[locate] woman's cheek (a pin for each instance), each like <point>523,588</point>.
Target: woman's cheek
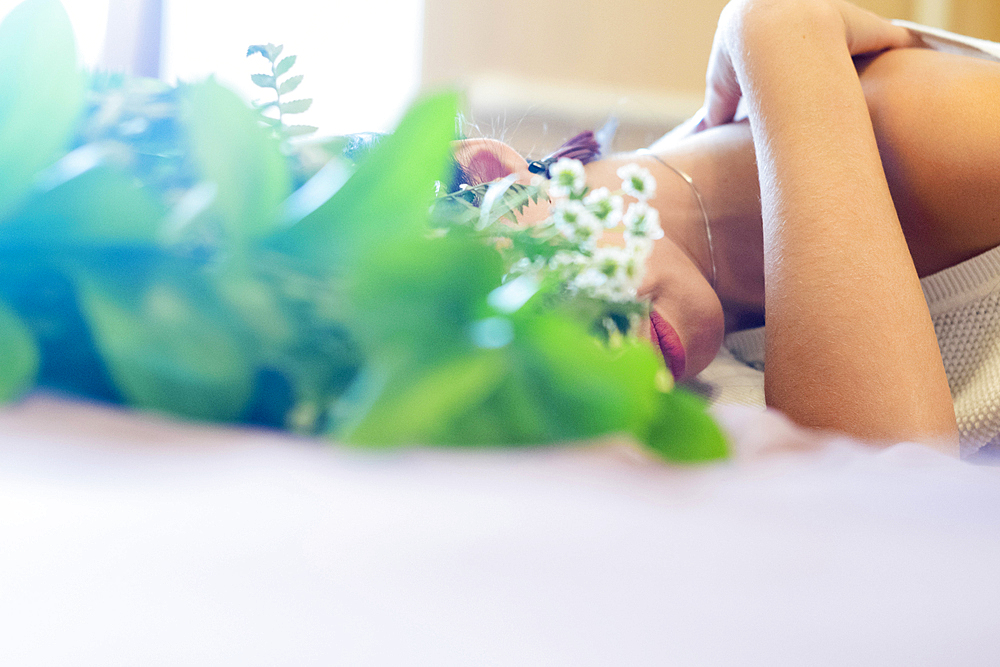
<point>707,336</point>
<point>534,213</point>
<point>686,300</point>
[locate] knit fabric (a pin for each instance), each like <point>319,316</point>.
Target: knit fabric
<point>964,303</point>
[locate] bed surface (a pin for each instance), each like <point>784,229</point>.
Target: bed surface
<point>133,540</point>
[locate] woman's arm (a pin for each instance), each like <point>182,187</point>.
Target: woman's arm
<point>850,343</point>
<point>937,125</point>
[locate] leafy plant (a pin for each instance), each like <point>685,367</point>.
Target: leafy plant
<point>274,81</point>
<point>464,206</point>
<point>161,250</point>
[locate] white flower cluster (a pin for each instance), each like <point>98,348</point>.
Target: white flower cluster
<point>581,216</point>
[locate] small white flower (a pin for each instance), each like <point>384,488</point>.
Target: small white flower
<point>589,280</point>
<point>639,248</point>
<point>522,265</point>
<point>605,206</point>
<point>610,260</point>
<point>527,266</point>
<point>642,221</point>
<point>616,292</point>
<point>564,259</point>
<point>576,223</point>
<point>617,263</point>
<point>637,181</point>
<point>611,274</point>
<point>567,178</point>
<point>567,212</point>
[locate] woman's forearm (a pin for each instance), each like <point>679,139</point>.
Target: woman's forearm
<point>850,343</point>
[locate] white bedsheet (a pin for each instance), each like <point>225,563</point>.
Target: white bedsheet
<point>130,540</point>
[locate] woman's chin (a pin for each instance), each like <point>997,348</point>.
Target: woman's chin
<point>703,341</point>
<point>701,353</point>
<point>685,355</point>
<point>699,362</point>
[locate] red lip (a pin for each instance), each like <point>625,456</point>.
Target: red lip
<point>670,344</point>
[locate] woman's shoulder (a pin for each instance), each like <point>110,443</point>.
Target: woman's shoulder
<point>938,126</point>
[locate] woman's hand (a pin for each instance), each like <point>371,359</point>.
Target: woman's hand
<point>862,32</point>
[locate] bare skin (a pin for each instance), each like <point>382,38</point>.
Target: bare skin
<point>865,183</point>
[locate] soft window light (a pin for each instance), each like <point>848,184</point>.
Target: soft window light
<point>361,61</point>
<point>89,19</point>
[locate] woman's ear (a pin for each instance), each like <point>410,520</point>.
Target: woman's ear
<point>486,160</point>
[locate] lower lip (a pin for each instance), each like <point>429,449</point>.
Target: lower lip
<point>670,344</point>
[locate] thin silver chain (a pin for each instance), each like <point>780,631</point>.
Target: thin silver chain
<point>701,204</point>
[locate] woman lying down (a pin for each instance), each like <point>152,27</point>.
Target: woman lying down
<point>856,210</point>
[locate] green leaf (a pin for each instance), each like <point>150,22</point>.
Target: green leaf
<point>18,356</point>
<point>258,48</point>
<point>263,80</point>
<point>299,130</point>
<point>683,431</point>
<point>42,94</point>
<point>421,409</point>
<point>585,388</point>
<point>166,350</point>
<point>101,207</point>
<point>285,65</point>
<point>257,304</point>
<point>437,287</point>
<point>514,414</point>
<point>296,106</point>
<point>290,84</point>
<point>241,157</point>
<point>386,198</point>
<point>273,51</point>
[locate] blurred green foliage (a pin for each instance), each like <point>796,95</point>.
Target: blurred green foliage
<point>159,249</point>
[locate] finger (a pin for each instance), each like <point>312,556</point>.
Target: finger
<point>721,99</point>
<point>700,117</point>
<point>910,40</point>
<point>722,90</point>
<point>867,32</point>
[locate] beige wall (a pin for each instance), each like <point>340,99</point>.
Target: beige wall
<point>628,43</point>
<point>535,65</point>
<point>979,18</point>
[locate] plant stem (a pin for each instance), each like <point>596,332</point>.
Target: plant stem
<point>277,93</point>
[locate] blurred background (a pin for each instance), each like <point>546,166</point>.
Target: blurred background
<point>538,71</point>
<point>534,71</point>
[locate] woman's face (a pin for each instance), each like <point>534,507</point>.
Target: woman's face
<point>687,320</point>
<point>485,160</point>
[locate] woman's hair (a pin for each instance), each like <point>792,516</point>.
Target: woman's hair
<point>482,169</point>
